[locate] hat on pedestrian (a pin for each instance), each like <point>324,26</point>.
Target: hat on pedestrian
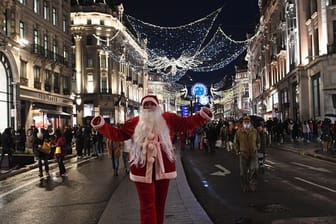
<point>246,118</point>
<point>150,98</point>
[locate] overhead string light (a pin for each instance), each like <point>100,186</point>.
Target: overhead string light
<point>172,51</point>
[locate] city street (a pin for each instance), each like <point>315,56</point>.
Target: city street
<point>80,197</point>
<point>293,186</point>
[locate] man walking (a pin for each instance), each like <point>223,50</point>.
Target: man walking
<point>246,144</point>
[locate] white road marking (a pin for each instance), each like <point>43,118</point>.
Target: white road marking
<point>267,165</point>
<point>269,161</point>
<point>311,167</point>
<point>316,185</point>
<point>223,171</point>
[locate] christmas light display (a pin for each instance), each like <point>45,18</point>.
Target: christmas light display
<point>172,51</point>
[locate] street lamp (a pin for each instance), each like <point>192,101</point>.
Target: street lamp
<point>78,101</point>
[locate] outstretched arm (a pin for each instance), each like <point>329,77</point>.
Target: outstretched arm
<point>114,133</point>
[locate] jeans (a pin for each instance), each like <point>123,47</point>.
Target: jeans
<point>248,170</point>
<point>61,164</point>
<point>43,157</point>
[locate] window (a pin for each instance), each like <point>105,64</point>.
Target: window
<point>104,86</point>
<point>316,43</point>
<point>102,61</point>
<point>66,85</point>
<point>54,16</point>
<point>64,24</point>
<point>90,83</point>
<point>23,69</point>
<point>56,83</point>
<point>37,77</point>
<point>45,10</point>
<point>310,46</point>
<point>102,22</point>
<point>46,45</point>
<point>316,95</point>
<point>89,22</point>
<point>332,2</point>
<point>47,77</point>
<point>22,30</point>
<point>36,41</point>
<point>47,81</point>
<point>55,50</point>
<point>65,54</point>
<point>89,62</point>
<point>36,6</point>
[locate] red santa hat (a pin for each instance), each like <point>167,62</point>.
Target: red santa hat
<point>150,98</point>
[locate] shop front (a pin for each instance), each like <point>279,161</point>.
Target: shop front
<point>45,110</point>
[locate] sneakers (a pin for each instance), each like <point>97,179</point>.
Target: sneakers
<point>40,174</point>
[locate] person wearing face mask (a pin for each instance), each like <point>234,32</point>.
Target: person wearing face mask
<point>246,144</point>
<point>152,154</point>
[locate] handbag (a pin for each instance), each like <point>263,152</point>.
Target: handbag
<point>58,150</point>
<point>46,147</point>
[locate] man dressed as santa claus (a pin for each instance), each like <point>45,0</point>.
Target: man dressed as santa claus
<point>152,156</point>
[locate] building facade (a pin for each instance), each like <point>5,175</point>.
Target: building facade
<point>35,64</point>
<point>110,75</point>
<point>292,60</point>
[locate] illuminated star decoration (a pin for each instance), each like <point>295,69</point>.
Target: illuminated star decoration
<point>172,51</point>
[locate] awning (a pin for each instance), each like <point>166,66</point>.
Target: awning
<point>55,113</point>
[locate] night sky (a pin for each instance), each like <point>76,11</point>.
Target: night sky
<point>237,19</point>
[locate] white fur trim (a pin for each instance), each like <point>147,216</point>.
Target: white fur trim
<point>149,99</point>
<point>100,124</point>
<point>204,114</point>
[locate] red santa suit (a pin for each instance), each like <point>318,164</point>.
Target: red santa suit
<point>158,167</point>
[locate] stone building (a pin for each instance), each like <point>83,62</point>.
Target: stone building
<point>110,76</point>
<point>35,64</point>
<point>292,59</point>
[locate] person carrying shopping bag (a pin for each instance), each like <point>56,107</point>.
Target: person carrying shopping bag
<point>60,151</point>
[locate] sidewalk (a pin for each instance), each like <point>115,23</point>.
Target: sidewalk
<point>181,207</point>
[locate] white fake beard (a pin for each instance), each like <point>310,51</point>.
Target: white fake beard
<point>151,121</point>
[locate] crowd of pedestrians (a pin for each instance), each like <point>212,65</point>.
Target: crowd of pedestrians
<point>232,136</point>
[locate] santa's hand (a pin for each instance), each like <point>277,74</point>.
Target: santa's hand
<point>97,122</point>
<point>206,113</point>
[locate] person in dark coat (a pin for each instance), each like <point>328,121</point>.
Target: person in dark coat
<point>7,143</point>
<point>42,156</point>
